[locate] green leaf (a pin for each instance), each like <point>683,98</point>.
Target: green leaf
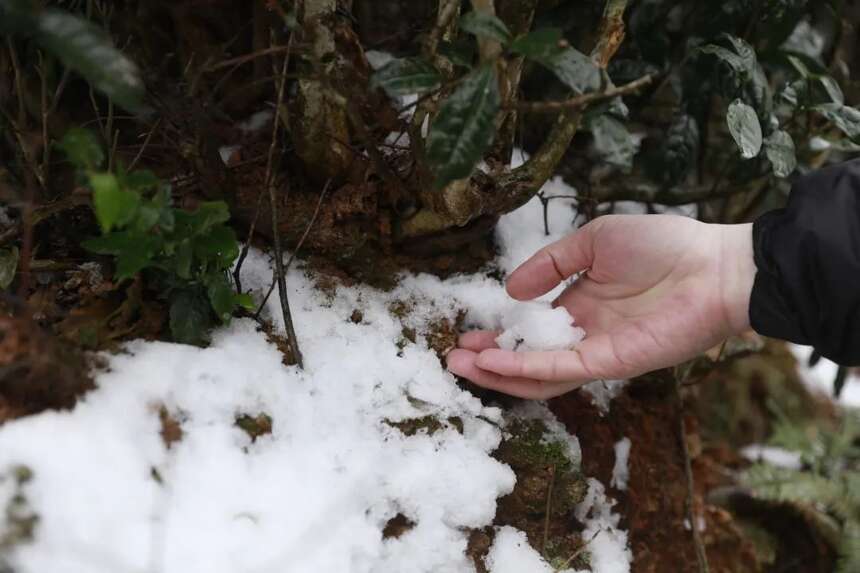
<point>114,207</point>
<point>406,76</point>
<point>245,301</point>
<point>735,61</point>
<point>461,52</point>
<point>745,128</point>
<point>218,245</point>
<point>140,181</point>
<point>485,25</point>
<point>190,317</point>
<point>82,148</point>
<point>87,49</point>
<point>832,88</point>
<point>8,266</point>
<point>465,127</point>
<point>576,70</point>
<point>221,296</point>
<point>612,141</point>
<point>846,118</point>
<point>133,251</point>
<point>207,215</point>
<point>182,258</point>
<point>538,44</point>
<point>779,147</point>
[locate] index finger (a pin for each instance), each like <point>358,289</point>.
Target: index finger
<point>554,263</point>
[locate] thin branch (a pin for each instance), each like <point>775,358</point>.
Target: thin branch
<point>584,100</point>
<point>701,554</point>
<point>292,339</point>
<point>298,247</point>
<point>149,135</point>
<point>548,510</point>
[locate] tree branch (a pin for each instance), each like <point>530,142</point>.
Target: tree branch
<point>583,100</point>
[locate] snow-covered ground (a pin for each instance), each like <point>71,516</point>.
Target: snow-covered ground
<point>315,494</point>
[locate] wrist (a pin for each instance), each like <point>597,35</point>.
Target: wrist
<point>737,272</point>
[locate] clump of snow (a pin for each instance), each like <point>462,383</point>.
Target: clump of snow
<point>603,392</point>
<point>538,326</point>
<point>607,544</point>
<point>772,455</point>
<point>511,553</point>
<point>621,471</point>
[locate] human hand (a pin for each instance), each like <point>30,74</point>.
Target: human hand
<point>656,290</point>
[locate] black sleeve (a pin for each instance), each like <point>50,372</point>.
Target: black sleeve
<point>807,288</point>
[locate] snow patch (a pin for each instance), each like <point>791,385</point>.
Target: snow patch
<point>607,544</point>
<point>621,471</point>
<point>774,456</point>
<point>538,326</point>
<point>603,392</point>
<point>511,553</point>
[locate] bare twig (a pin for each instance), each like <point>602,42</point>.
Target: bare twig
<point>548,510</point>
<point>237,271</point>
<point>584,100</point>
<point>292,339</point>
<point>149,135</point>
<point>298,247</point>
<point>701,554</point>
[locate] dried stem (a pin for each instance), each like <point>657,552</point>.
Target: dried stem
<point>292,339</point>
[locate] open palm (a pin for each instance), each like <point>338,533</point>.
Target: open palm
<point>655,290</point>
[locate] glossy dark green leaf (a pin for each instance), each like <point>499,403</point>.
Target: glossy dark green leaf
<point>87,49</point>
<point>140,181</point>
<point>8,266</point>
<point>679,152</point>
<point>221,296</point>
<point>538,44</point>
<point>218,245</point>
<point>182,258</point>
<point>574,69</point>
<point>133,251</point>
<point>846,118</point>
<point>82,148</point>
<point>114,207</point>
<point>612,141</point>
<point>465,127</point>
<point>207,215</point>
<point>779,147</point>
<point>190,317</point>
<point>486,26</point>
<point>745,128</point>
<point>404,76</point>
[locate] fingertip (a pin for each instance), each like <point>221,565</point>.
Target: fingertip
<point>478,340</point>
<point>460,361</point>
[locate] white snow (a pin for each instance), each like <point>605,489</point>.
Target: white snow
<point>511,553</point>
<point>607,544</point>
<point>538,326</point>
<point>316,493</point>
<point>772,455</point>
<point>603,392</point>
<point>621,471</point>
<point>820,378</point>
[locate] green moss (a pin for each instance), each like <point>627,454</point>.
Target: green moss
<point>527,446</point>
<point>426,424</point>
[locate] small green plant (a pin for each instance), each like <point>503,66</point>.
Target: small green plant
<point>185,255</point>
<point>827,486</point>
